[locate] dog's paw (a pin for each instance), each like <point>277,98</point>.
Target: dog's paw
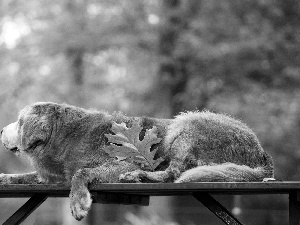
<point>132,177</point>
<point>80,203</point>
<point>271,179</point>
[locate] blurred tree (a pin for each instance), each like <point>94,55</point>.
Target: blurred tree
<point>169,75</point>
<point>75,52</point>
<point>173,73</point>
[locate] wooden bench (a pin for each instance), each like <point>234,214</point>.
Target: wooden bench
<point>140,193</point>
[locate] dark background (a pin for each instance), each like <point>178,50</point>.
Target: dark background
<point>157,58</point>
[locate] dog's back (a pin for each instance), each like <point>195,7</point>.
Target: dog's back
<point>219,147</point>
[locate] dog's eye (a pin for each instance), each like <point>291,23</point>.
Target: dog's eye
<point>35,144</point>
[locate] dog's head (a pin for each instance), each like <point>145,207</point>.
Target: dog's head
<point>32,129</point>
<point>36,125</point>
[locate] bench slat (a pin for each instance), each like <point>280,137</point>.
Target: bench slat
<point>122,193</point>
<point>155,189</point>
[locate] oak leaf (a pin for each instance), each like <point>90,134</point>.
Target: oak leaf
<point>126,144</point>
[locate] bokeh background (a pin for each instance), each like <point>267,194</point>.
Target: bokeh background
<point>157,58</point>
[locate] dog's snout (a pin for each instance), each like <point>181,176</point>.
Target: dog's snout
<point>1,132</point>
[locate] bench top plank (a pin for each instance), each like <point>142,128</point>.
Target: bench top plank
<point>155,189</point>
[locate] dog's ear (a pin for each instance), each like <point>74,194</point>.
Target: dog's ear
<point>36,128</point>
<point>31,130</point>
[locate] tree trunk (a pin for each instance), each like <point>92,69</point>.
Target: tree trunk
<point>76,67</point>
<point>173,69</point>
<point>167,69</point>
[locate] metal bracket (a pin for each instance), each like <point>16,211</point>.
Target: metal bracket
<point>119,198</point>
<point>294,208</point>
<point>22,213</point>
<point>214,206</point>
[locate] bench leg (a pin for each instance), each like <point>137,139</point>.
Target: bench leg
<point>294,208</point>
<point>213,205</point>
<point>22,213</point>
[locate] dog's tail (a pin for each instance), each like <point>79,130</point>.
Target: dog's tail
<point>227,172</point>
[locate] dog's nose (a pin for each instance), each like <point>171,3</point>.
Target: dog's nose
<point>1,132</point>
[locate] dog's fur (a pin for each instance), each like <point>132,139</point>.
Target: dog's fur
<point>65,144</point>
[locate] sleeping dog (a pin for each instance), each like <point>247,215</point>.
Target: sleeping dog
<point>66,144</point>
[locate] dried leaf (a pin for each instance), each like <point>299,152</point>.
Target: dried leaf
<point>126,144</point>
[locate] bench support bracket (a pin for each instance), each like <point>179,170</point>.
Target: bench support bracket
<point>214,206</point>
<point>119,198</point>
<point>22,213</point>
<point>294,208</point>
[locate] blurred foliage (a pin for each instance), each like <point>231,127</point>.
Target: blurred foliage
<point>238,57</point>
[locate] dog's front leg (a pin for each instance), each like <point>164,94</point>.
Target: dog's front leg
<point>26,178</point>
<point>80,197</point>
